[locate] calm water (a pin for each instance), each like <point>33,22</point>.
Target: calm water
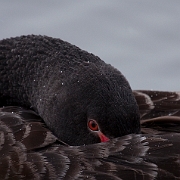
<point>140,38</point>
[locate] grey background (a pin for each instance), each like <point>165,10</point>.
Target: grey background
<point>139,37</point>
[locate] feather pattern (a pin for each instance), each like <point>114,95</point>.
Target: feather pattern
<point>28,149</point>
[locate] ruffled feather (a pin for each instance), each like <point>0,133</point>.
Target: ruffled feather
<point>28,150</point>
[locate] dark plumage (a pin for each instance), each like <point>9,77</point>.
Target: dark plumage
<point>29,150</point>
<point>67,87</point>
<point>32,70</point>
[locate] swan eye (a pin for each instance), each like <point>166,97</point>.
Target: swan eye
<point>93,125</point>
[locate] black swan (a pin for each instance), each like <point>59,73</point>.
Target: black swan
<point>59,102</point>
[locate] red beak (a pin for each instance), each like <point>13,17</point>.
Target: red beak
<point>102,137</point>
